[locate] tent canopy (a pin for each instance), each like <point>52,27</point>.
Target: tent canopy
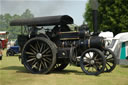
<point>122,37</point>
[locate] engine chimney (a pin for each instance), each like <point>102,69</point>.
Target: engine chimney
<point>94,6</point>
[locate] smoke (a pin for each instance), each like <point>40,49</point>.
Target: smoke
<point>37,7</point>
<point>74,8</point>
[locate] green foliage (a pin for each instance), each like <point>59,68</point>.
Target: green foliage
<point>13,30</point>
<point>27,14</point>
<point>113,15</point>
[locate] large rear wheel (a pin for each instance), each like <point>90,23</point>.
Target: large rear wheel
<point>92,61</point>
<point>39,55</point>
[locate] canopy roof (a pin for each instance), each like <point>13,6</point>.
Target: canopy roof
<point>122,37</point>
<point>43,21</point>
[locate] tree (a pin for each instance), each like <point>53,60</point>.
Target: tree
<point>27,14</point>
<point>7,19</point>
<point>113,15</point>
<point>2,24</point>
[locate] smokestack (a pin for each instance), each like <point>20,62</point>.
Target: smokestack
<point>94,6</point>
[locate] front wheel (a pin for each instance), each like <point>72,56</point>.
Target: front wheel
<point>92,61</point>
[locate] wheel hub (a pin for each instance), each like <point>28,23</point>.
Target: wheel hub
<point>38,55</point>
<point>92,62</point>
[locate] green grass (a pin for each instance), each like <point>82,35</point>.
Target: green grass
<point>12,72</point>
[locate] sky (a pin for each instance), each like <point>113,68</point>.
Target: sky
<point>73,8</point>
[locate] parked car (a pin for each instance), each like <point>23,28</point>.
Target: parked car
<point>12,50</point>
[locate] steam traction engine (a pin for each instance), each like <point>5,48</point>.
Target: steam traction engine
<point>56,47</point>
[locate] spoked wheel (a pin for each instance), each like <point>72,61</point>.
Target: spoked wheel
<point>92,61</point>
<point>110,60</point>
<point>39,55</point>
<point>60,67</point>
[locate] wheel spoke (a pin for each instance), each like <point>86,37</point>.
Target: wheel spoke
<point>110,58</point>
<point>98,67</point>
<point>48,52</point>
<point>106,68</point>
<point>95,56</point>
<point>31,56</point>
<point>45,64</point>
<point>109,65</point>
<point>40,67</point>
<point>42,64</point>
<point>110,61</point>
<point>95,67</point>
<point>34,66</point>
<point>31,59</point>
<point>33,51</point>
<point>41,47</point>
<point>33,48</point>
<point>44,46</point>
<point>49,59</point>
<point>30,53</point>
<point>47,55</point>
<point>38,45</point>
<point>45,50</point>
<point>88,68</point>
<point>46,60</point>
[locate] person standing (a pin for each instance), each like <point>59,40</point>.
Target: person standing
<point>1,54</point>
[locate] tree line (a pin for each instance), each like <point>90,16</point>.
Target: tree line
<point>13,30</point>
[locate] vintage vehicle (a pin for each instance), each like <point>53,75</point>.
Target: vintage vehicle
<point>12,50</point>
<point>4,38</point>
<point>47,43</point>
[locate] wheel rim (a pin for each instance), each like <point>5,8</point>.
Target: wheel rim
<point>110,60</point>
<point>38,56</point>
<point>92,62</point>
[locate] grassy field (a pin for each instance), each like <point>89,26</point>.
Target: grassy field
<point>12,72</point>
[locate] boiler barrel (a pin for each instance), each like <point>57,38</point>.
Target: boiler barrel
<point>92,42</point>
